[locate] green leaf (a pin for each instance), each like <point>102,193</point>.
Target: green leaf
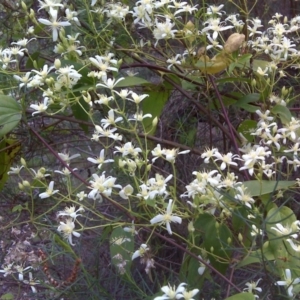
<point>121,249</point>
<point>131,81</point>
<point>8,296</point>
<point>80,110</point>
<point>242,296</point>
<point>246,127</point>
<point>215,236</point>
<point>244,101</point>
<point>241,62</point>
<point>283,113</point>
<point>155,103</point>
<point>258,256</point>
<point>34,60</point>
<point>59,241</point>
<point>18,208</point>
<point>10,114</point>
<point>9,148</point>
<point>189,271</point>
<point>258,188</point>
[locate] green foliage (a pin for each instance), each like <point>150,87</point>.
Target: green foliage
<point>10,114</point>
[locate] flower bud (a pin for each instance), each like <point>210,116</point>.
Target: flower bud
<point>284,91</point>
<point>57,63</point>
<point>122,163</point>
<point>253,82</point>
<point>24,6</point>
<point>42,170</point>
<point>32,14</point>
<point>234,42</point>
<point>240,237</point>
<point>229,241</point>
<point>191,227</point>
<point>21,186</point>
<point>87,98</point>
<point>154,122</point>
<point>23,162</point>
<point>26,183</point>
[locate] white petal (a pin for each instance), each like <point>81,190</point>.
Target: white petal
<point>157,219</point>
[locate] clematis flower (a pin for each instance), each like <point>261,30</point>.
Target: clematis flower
<point>167,218</point>
<point>71,212</point>
<point>41,107</point>
<point>32,282</point>
<point>289,282</point>
<point>67,230</point>
<point>110,120</point>
<point>66,157</point>
<point>252,287</point>
<point>49,192</point>
<point>171,292</point>
<point>140,252</point>
<point>282,231</point>
<point>54,23</point>
<point>46,4</point>
<point>100,160</point>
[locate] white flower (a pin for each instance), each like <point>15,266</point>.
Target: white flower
<point>163,30</point>
<point>46,4</point>
<point>32,282</point>
<point>53,23</point>
<point>110,83</point>
<point>187,295</point>
<point>100,160</point>
<point>7,270</point>
<point>15,170</point>
<point>137,99</point>
<point>284,231</point>
<point>41,107</point>
<point>171,154</point>
<point>295,247</point>
<point>202,267</point>
<point>262,72</point>
<point>49,191</point>
<point>71,212</point>
<point>244,197</point>
<point>126,191</point>
<point>167,218</point>
<point>110,120</point>
<point>102,184</point>
<point>255,231</point>
<point>24,79</point>
<point>174,61</point>
<point>226,159</point>
<point>128,149</point>
<point>101,64</point>
<point>186,9</point>
<point>252,287</point>
<point>66,157</point>
<point>208,154</point>
<point>171,292</point>
<point>81,195</point>
<point>140,252</point>
<point>214,24</point>
<point>289,282</point>
<point>213,10</point>
<point>20,269</point>
<point>67,230</point>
